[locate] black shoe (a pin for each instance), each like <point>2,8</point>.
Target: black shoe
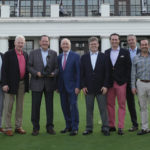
<point>120,131</point>
<point>133,129</point>
<point>65,130</point>
<point>106,132</point>
<point>87,132</point>
<point>142,132</point>
<point>35,132</point>
<point>73,133</point>
<point>112,129</point>
<point>51,131</point>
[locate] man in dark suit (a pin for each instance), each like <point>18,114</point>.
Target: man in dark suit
<point>119,71</point>
<point>15,82</point>
<point>94,83</point>
<point>43,67</point>
<point>69,85</point>
<point>1,94</point>
<point>131,39</point>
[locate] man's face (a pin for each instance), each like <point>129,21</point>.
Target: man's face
<point>114,41</point>
<point>131,41</point>
<point>44,43</point>
<point>19,44</point>
<point>65,45</point>
<point>144,46</point>
<point>93,46</point>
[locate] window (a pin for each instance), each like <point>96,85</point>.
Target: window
<point>28,47</point>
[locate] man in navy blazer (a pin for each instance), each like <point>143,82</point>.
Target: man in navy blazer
<point>119,71</point>
<point>69,85</point>
<point>131,39</point>
<point>94,83</point>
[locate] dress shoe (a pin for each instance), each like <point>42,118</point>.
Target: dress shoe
<point>120,131</point>
<point>9,132</point>
<point>112,129</point>
<point>73,132</point>
<point>142,132</point>
<point>20,131</point>
<point>133,129</point>
<point>51,131</point>
<point>106,132</point>
<point>1,130</point>
<point>35,132</point>
<point>87,132</point>
<point>65,130</point>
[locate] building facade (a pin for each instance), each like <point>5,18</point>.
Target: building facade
<point>76,20</point>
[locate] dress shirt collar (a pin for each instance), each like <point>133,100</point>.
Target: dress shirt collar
<point>133,50</point>
<point>67,53</point>
<point>18,52</point>
<point>93,53</point>
<point>116,50</point>
<point>44,50</point>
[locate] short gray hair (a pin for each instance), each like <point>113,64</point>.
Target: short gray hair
<point>20,36</point>
<point>93,38</point>
<point>131,35</point>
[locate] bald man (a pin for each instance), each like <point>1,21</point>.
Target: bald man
<point>68,86</point>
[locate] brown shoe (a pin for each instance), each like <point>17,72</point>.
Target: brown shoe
<point>20,131</point>
<point>9,132</point>
<point>35,132</point>
<point>1,130</point>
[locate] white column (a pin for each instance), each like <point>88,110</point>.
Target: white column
<point>5,11</point>
<point>54,10</point>
<point>105,43</point>
<point>54,44</point>
<point>105,10</point>
<point>3,44</point>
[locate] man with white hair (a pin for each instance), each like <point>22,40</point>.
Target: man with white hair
<point>15,82</point>
<point>68,86</point>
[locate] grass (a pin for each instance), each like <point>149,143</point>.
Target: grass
<point>59,141</point>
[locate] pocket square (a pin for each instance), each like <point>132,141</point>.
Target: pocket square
<point>122,56</point>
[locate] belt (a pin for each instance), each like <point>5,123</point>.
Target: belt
<point>146,81</point>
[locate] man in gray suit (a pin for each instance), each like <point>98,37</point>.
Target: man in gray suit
<point>43,68</point>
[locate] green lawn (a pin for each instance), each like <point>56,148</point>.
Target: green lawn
<point>96,141</point>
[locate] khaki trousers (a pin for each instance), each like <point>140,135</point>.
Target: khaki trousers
<point>8,106</point>
<point>143,96</point>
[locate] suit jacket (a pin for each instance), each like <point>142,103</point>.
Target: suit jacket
<point>121,71</point>
<point>95,79</point>
<point>11,72</point>
<point>70,76</point>
<point>138,51</point>
<point>1,55</point>
<point>36,65</point>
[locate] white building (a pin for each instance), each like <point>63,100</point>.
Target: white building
<point>79,19</point>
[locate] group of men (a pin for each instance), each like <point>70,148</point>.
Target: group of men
<point>101,76</point>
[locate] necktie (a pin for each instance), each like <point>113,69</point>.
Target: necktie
<point>64,62</point>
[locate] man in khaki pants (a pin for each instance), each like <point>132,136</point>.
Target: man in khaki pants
<point>15,82</point>
<point>140,82</point>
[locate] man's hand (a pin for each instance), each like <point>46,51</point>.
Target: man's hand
<point>85,91</point>
<point>104,90</point>
<point>39,74</point>
<point>5,88</point>
<point>134,91</point>
<point>77,91</point>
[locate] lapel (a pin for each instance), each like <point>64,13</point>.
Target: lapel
<point>40,57</point>
<point>69,58</point>
<point>109,57</point>
<point>120,53</point>
<point>15,58</point>
<point>97,60</point>
<point>61,61</point>
<point>89,61</point>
